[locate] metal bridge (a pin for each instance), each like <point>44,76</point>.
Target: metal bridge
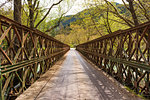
<point>35,66</point>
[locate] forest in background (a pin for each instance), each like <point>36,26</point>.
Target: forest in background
<point>100,17</point>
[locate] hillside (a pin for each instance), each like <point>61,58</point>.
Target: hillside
<point>67,20</point>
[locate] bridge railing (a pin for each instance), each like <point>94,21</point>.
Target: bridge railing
<point>125,55</point>
<point>25,54</point>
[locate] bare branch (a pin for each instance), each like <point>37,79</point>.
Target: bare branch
<point>58,23</point>
<point>48,13</point>
<point>141,6</point>
<point>125,5</point>
<point>118,21</point>
<point>5,3</point>
<point>118,14</point>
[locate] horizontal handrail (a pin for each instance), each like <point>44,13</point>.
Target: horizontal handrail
<point>6,22</point>
<point>114,34</point>
<point>25,54</point>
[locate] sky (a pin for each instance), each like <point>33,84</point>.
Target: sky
<point>77,6</point>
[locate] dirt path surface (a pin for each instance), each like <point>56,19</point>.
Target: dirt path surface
<point>76,79</point>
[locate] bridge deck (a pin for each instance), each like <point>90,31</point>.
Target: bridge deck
<point>73,78</point>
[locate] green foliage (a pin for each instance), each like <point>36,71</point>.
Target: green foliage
<point>104,18</point>
<point>90,24</point>
<point>100,18</point>
<point>8,13</point>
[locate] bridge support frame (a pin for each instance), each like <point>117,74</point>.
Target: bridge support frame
<point>124,55</point>
<point>26,55</point>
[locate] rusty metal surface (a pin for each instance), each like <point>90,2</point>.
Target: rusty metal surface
<point>35,89</point>
<point>125,55</point>
<point>25,54</point>
<point>76,79</point>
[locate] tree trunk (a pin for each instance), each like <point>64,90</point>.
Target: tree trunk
<point>17,17</point>
<point>31,13</point>
<point>131,8</point>
<point>17,11</point>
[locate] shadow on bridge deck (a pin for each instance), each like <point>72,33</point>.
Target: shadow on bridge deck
<point>73,78</point>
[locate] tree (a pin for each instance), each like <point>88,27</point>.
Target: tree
<point>130,13</point>
<point>34,12</point>
<point>7,1</point>
<point>17,11</point>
